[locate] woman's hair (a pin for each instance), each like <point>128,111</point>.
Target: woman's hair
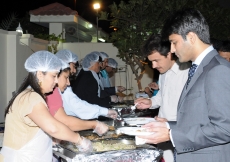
<point>32,81</point>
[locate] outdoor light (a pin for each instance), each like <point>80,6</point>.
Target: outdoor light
<point>19,29</point>
<point>101,39</point>
<point>89,25</point>
<point>96,6</point>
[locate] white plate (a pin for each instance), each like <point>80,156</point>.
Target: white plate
<point>136,121</point>
<point>133,131</point>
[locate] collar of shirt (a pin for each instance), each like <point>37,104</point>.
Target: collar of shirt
<point>175,67</point>
<point>202,55</point>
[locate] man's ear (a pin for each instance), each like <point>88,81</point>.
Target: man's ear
<point>169,55</point>
<point>191,37</point>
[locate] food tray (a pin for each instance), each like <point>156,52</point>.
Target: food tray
<point>141,152</point>
<point>131,142</point>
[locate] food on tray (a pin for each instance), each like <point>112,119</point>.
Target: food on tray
<point>100,146</point>
<point>96,137</point>
<point>111,128</point>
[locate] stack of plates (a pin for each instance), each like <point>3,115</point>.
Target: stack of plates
<point>138,121</point>
<point>134,131</point>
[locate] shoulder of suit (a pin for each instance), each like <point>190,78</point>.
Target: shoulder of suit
<point>222,61</point>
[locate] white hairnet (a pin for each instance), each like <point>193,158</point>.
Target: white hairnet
<point>104,55</point>
<point>112,63</point>
<point>67,56</point>
<point>42,61</point>
<point>90,60</point>
<point>64,65</point>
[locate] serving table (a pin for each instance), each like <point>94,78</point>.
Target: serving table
<point>146,152</point>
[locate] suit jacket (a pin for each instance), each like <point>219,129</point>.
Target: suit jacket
<point>86,88</point>
<point>202,130</point>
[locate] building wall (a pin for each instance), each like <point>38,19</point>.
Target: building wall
<point>14,50</point>
<point>3,74</point>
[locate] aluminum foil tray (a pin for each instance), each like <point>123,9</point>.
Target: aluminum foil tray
<point>137,155</point>
<point>71,147</point>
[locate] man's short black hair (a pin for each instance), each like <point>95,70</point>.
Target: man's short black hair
<point>225,46</point>
<point>155,44</point>
<point>216,43</point>
<point>187,20</point>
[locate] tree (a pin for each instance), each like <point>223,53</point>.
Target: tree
<point>136,20</point>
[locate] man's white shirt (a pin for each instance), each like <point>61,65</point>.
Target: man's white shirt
<point>171,85</point>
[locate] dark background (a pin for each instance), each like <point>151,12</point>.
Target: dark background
<point>84,8</point>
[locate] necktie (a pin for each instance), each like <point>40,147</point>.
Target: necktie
<point>191,73</point>
<point>174,154</point>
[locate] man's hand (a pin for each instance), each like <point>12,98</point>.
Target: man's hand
<point>143,103</point>
<point>121,88</point>
<point>160,135</point>
<point>161,132</point>
<point>112,114</point>
<point>160,119</point>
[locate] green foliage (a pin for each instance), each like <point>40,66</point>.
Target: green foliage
<point>51,37</point>
<point>137,19</point>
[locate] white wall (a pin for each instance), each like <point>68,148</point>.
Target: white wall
<point>14,50</point>
<point>3,74</point>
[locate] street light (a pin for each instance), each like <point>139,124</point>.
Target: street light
<point>96,6</point>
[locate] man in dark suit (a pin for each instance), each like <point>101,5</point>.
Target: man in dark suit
<point>202,130</point>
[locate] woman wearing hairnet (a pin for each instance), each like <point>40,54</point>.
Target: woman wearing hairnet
<point>28,123</point>
<point>87,85</point>
<point>54,102</point>
<point>73,105</point>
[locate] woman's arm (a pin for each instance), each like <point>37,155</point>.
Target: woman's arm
<point>74,123</point>
<point>42,117</point>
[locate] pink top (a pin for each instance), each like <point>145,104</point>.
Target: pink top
<point>54,101</point>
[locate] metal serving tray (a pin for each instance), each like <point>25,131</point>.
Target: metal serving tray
<point>69,150</point>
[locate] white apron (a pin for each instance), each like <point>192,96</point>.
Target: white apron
<point>38,149</point>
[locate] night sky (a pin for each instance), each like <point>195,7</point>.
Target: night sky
<point>84,8</point>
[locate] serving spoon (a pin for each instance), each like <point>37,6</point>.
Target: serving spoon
<point>134,107</point>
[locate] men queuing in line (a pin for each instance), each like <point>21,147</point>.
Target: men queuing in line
<point>201,132</point>
<point>173,76</point>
